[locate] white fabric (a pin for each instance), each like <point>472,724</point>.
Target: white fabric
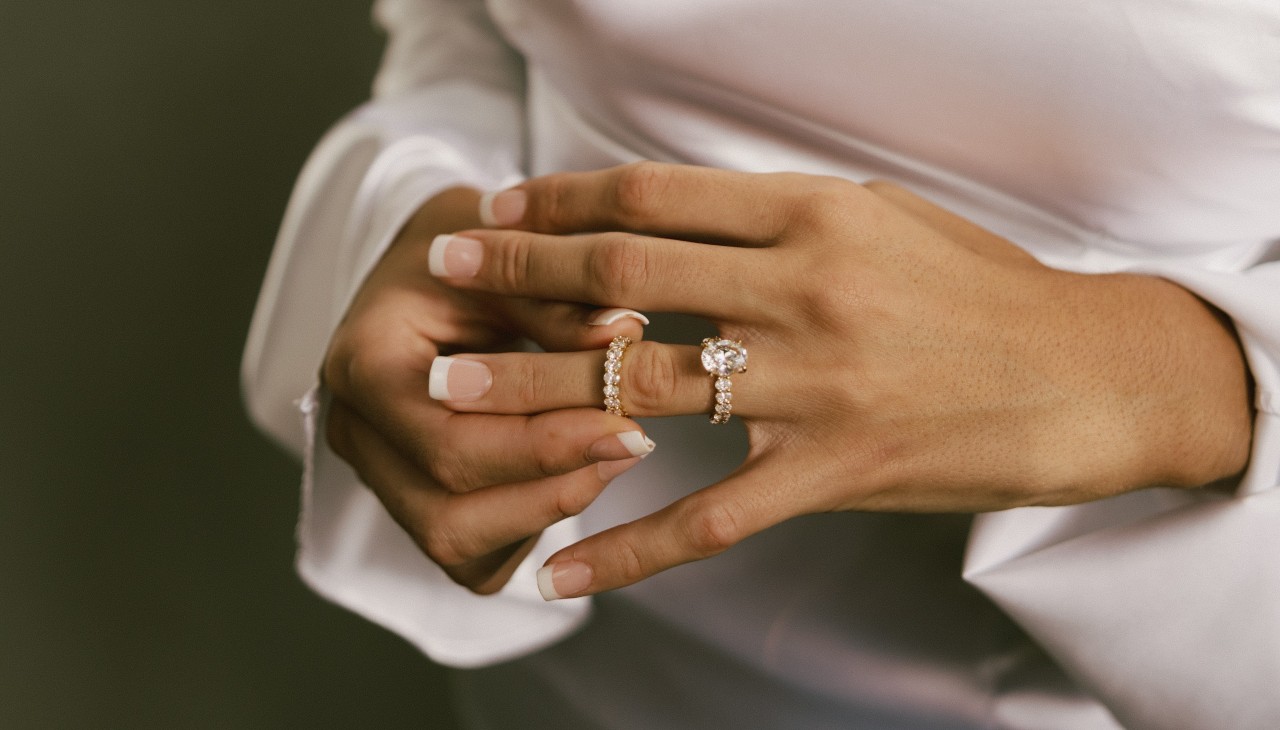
<point>1101,135</point>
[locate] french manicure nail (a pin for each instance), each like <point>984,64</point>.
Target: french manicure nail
<point>505,208</point>
<point>456,379</point>
<point>620,446</point>
<point>563,579</point>
<point>454,256</point>
<point>609,316</point>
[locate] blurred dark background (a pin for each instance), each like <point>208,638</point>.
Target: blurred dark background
<point>146,530</point>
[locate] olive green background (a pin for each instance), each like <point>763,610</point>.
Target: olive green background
<point>147,148</point>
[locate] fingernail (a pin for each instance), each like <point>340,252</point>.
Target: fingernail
<point>609,316</point>
<point>609,470</point>
<point>563,579</point>
<point>454,256</point>
<point>505,208</point>
<point>620,446</point>
<point>455,379</point>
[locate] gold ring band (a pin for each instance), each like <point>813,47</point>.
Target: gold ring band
<point>613,375</point>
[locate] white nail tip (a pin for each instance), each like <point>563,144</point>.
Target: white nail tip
<point>486,210</point>
<point>609,316</point>
<point>545,586</point>
<point>636,443</point>
<point>438,380</point>
<point>435,255</point>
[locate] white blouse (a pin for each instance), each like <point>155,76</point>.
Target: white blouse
<point>1100,135</point>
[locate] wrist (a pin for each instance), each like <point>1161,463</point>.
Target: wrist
<point>1161,387</point>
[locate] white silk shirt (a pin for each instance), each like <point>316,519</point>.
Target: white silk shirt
<point>1100,135</point>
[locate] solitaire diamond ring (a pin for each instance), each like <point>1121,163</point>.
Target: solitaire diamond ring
<point>721,359</point>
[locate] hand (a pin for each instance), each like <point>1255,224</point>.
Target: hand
<point>473,491</point>
<point>901,358</point>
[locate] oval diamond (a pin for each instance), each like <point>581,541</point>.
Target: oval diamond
<point>723,357</point>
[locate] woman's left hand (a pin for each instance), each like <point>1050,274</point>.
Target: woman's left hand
<point>901,358</point>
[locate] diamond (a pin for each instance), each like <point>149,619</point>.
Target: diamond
<point>723,357</point>
<point>612,402</point>
<point>611,391</point>
<point>611,378</point>
<point>723,398</point>
<point>723,384</point>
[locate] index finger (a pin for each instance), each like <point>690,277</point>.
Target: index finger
<point>612,269</point>
<point>678,201</point>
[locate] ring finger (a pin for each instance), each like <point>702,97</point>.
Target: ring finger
<point>655,379</point>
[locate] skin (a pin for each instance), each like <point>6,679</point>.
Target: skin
<point>930,364</point>
<point>473,490</point>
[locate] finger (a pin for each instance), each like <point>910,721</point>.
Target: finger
<point>481,450</point>
<point>699,526</point>
<point>569,327</point>
<point>677,201</point>
<point>958,229</point>
<point>654,379</point>
<point>473,531</point>
<point>465,452</point>
<point>476,537</point>
<point>611,269</point>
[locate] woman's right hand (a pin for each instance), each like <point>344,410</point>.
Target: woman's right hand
<point>473,490</point>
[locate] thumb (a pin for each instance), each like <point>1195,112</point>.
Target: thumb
<point>698,526</point>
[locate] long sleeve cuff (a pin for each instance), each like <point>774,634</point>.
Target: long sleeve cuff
<point>1154,600</point>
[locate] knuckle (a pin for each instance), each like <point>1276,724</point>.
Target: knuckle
<point>453,475</point>
<point>362,360</point>
<point>629,563</point>
<point>619,265</point>
<point>825,200</point>
<point>650,377</point>
<point>512,261</point>
<point>711,527</point>
<point>549,206</point>
<point>834,299</point>
<point>638,190</point>
<point>445,474</point>
<point>369,367</point>
<point>531,386</point>
<point>573,500</point>
<point>547,464</point>
<point>444,547</point>
<point>448,471</point>
<point>550,446</point>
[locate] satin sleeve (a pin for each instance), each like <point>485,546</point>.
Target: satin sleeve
<point>1164,604</point>
<point>447,109</point>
